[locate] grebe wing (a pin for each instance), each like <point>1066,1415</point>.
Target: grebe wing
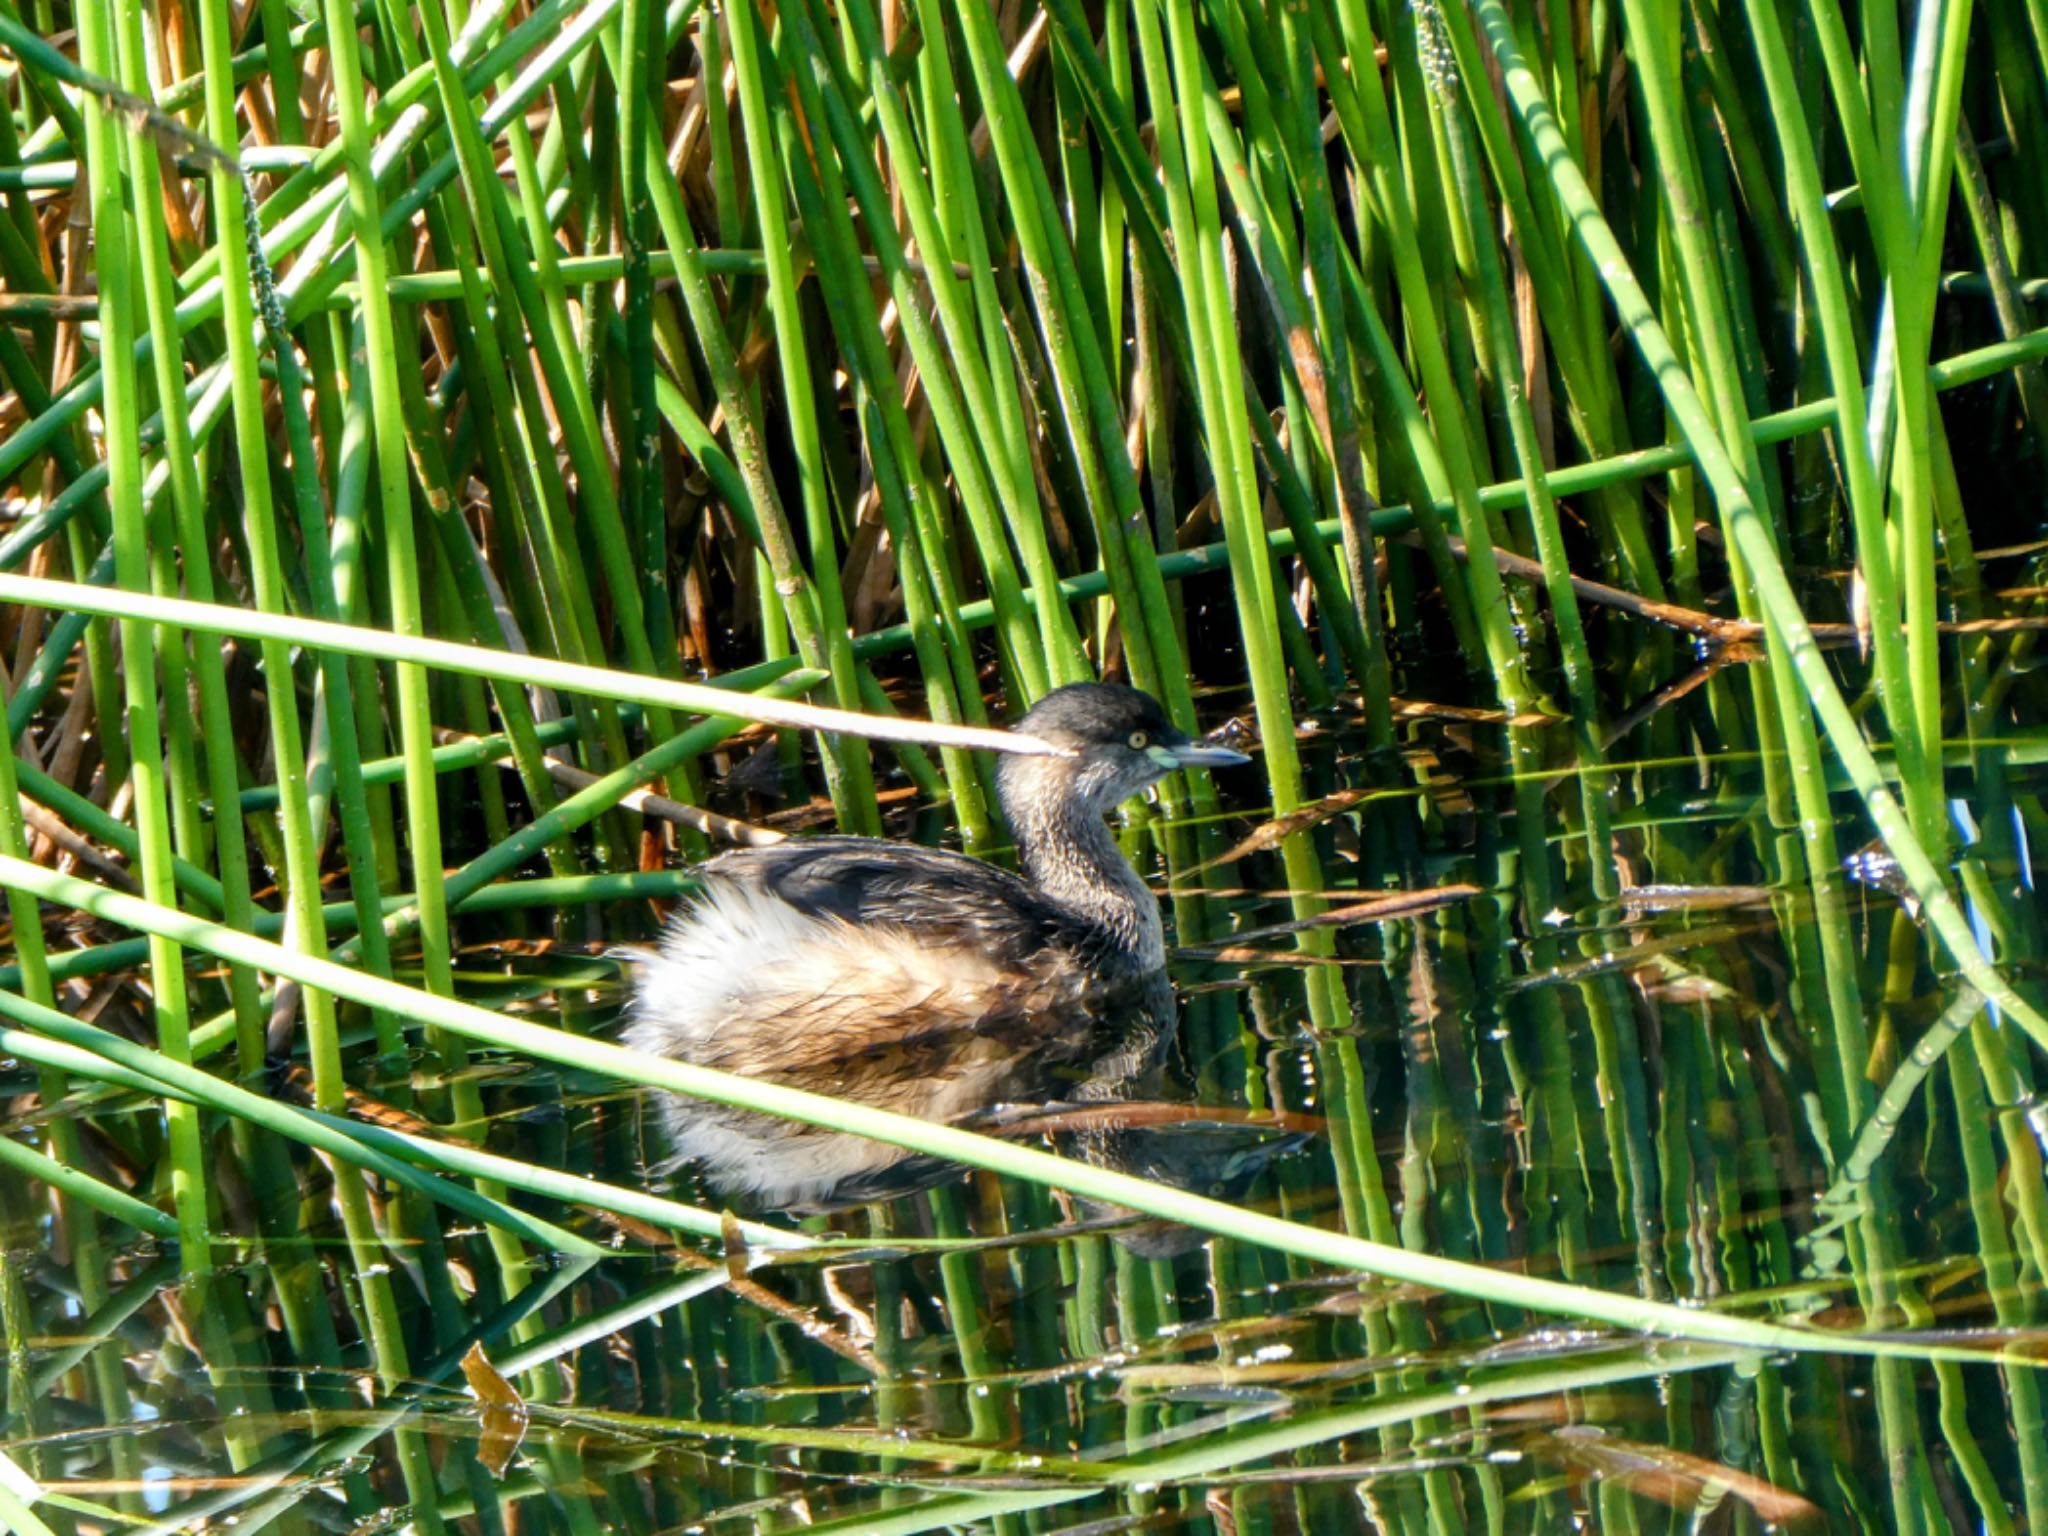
<point>929,892</point>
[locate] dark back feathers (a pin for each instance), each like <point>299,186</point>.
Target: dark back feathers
<point>942,897</point>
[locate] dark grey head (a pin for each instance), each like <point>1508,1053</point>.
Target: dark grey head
<point>1121,743</point>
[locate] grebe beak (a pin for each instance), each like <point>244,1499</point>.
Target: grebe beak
<point>1196,754</point>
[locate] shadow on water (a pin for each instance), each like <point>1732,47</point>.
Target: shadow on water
<point>1645,1095</point>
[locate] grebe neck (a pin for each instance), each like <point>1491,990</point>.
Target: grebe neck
<point>1068,852</point>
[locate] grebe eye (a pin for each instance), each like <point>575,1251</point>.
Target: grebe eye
<point>1139,741</point>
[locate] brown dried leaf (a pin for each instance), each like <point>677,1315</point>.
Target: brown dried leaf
<point>1673,1478</point>
<point>1281,828</point>
<point>500,1407</point>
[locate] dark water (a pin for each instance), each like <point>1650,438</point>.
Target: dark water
<point>1657,1096</point>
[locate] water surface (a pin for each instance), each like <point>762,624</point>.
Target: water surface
<point>1666,1094</point>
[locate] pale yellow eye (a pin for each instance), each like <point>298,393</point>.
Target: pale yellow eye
<point>1139,741</point>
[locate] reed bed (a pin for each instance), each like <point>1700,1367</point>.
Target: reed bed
<point>461,464</point>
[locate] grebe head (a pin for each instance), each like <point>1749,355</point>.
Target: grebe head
<point>1119,740</point>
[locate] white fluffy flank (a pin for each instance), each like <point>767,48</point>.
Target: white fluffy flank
<point>743,981</point>
<point>717,954</point>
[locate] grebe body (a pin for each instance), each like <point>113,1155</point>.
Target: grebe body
<point>918,980</point>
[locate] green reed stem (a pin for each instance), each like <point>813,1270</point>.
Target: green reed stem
<point>382,340</point>
<point>799,406</point>
<point>955,411</point>
<point>1091,418</point>
<point>482,661</point>
<point>1581,682</point>
<point>231,894</point>
<point>957,193</point>
<point>74,1185</point>
<point>903,491</point>
<point>1177,91</point>
<point>322,1131</point>
<point>433,1155</point>
<point>141,725</point>
<point>302,871</point>
<point>1838,338</point>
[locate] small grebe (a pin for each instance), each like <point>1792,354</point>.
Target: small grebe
<point>922,981</point>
